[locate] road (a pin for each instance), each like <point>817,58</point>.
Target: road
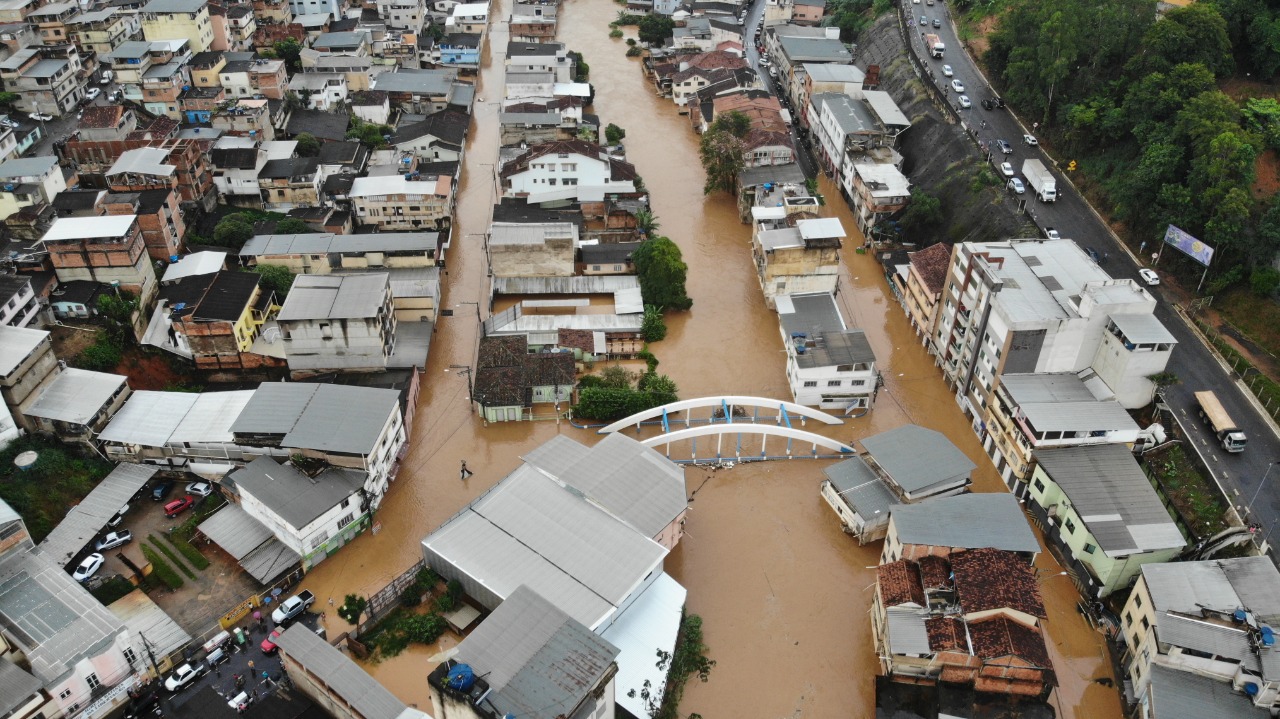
<point>1195,365</point>
<point>803,157</point>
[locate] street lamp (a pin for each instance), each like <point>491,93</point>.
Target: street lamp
<point>1262,484</point>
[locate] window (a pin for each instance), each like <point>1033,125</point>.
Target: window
<point>595,268</point>
<point>1038,485</point>
<point>1128,619</point>
<point>1137,601</point>
<point>810,383</point>
<point>319,539</point>
<point>1145,624</point>
<point>1071,527</point>
<point>64,694</point>
<point>1089,548</point>
<point>346,503</point>
<point>347,519</point>
<point>1135,639</point>
<point>130,656</point>
<point>326,330</point>
<point>833,383</point>
<point>93,681</point>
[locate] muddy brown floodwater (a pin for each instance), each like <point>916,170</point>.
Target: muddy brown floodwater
<point>784,595</point>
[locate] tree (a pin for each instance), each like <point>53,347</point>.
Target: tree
<point>646,222</point>
<point>276,278</point>
<point>1262,116</point>
<point>655,29</point>
<point>1264,281</point>
<point>616,377</point>
<point>723,151</point>
<point>9,99</point>
<point>924,211</point>
<point>613,134</point>
<point>652,327</point>
<point>662,273</point>
<point>290,51</point>
<point>293,226</point>
<point>352,607</point>
<point>657,384</point>
<point>233,231</point>
<point>371,134</point>
<point>581,70</point>
<point>308,145</point>
<point>1196,33</point>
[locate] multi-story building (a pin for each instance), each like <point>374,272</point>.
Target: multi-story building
<point>828,365</point>
<point>162,84</point>
<point>469,18</point>
<point>236,162</point>
<point>879,190</point>
<point>27,366</point>
<point>269,78</point>
<point>795,251</point>
<point>286,184</point>
<point>322,253</point>
<point>272,12</point>
<point>178,19</point>
<point>159,218</point>
<point>233,26</point>
<point>53,20</point>
<point>535,56</point>
<point>563,169</point>
<point>147,164</point>
<point>332,8</point>
<point>245,117</point>
<point>78,403</point>
<point>391,202</point>
<point>108,250</point>
<point>403,14</point>
<point>101,31</point>
<point>918,286</point>
<point>533,22</point>
<point>29,181</point>
<point>18,305</point>
<point>320,90</point>
<point>47,79</point>
<point>107,122</point>
<point>205,67</point>
<point>332,323</point>
<point>218,317</point>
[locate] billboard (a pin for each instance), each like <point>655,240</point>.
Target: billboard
<point>1195,249</point>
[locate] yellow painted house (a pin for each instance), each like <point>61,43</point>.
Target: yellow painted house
<point>178,20</point>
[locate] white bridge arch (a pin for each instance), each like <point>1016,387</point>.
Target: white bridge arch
<point>734,425</point>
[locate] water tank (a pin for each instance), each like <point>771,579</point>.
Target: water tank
<point>1240,615</point>
<point>174,258</point>
<point>1268,636</point>
<point>1251,689</point>
<point>461,677</point>
<point>25,461</point>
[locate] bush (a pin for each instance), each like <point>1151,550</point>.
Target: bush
<point>112,590</point>
<point>634,52</point>
<point>411,596</point>
<point>444,604</point>
<point>424,628</point>
<point>101,356</point>
<point>352,607</point>
<point>1264,281</point>
<point>652,326</point>
<point>172,557</point>
<point>615,33</point>
<point>161,568</point>
<point>192,554</point>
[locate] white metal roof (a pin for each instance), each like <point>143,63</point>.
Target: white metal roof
<point>397,185</point>
<point>321,297</point>
<point>196,263</point>
<point>76,395</point>
<point>535,233</point>
<point>145,617</point>
<point>210,418</point>
<point>100,226</point>
<point>86,519</point>
<point>16,344</point>
<point>148,418</point>
<point>650,624</point>
<point>1143,329</point>
<point>144,160</point>
<point>235,531</point>
<point>820,228</point>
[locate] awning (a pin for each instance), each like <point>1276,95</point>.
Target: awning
<point>250,542</point>
<point>87,519</point>
<point>270,560</point>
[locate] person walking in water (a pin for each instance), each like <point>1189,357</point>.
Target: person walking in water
<point>465,472</point>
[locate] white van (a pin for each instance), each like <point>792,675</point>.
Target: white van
<point>107,77</point>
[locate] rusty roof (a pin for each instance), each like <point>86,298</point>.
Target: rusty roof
<point>717,59</point>
<point>995,579</point>
<point>900,583</point>
<point>100,117</point>
<point>935,572</point>
<point>932,263</point>
<point>946,634</point>
<point>1000,636</point>
<point>505,351</point>
<point>577,339</point>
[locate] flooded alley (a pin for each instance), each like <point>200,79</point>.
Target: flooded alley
<point>783,593</point>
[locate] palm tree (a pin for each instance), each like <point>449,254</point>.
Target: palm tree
<point>647,223</point>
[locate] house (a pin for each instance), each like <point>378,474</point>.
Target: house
<point>338,323</point>
<point>418,91</point>
<point>795,250</point>
<point>106,122</point>
<point>879,190</point>
<point>1044,306</point>
<point>244,118</point>
<point>1098,507</point>
<point>539,531</point>
<point>77,299</point>
<point>233,26</point>
<point>236,162</point>
<point>1198,638</point>
<point>510,379</point>
<point>162,86</point>
<point>215,317</point>
<point>468,18</point>
<point>610,258</point>
<point>62,649</point>
<point>100,31</point>
<point>343,157</point>
<point>963,521</point>
<point>403,14</point>
<point>828,365</point>
<point>109,250</point>
<point>566,169</point>
<point>460,50</point>
<point>323,91</point>
<point>532,22</point>
<point>532,250</point>
<point>182,431</point>
<point>1032,412</point>
<point>440,137</point>
<point>156,158</point>
<point>370,105</point>
<point>18,306</point>
<point>807,12</point>
<point>814,78</point>
<point>29,181</point>
<point>971,617</point>
<point>47,78</point>
<point>900,467</point>
<point>334,681</point>
<point>920,288</point>
<point>77,403</point>
<point>320,253</point>
<point>178,19</point>
<point>27,366</point>
<point>394,203</point>
<point>528,659</point>
<point>286,184</point>
<point>159,218</point>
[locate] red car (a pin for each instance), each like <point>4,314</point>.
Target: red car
<point>178,506</point>
<point>269,644</point>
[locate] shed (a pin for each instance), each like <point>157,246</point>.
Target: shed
<point>87,519</point>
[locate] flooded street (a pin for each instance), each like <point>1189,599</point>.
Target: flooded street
<point>783,593</point>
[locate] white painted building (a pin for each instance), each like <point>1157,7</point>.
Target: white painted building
<point>403,14</point>
<point>333,323</point>
<point>304,510</point>
<point>18,305</point>
<point>566,169</point>
<point>828,365</point>
<point>29,181</point>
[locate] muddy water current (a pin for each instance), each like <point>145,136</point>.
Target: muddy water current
<point>784,595</point>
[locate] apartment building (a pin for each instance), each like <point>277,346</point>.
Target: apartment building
<point>336,323</point>
<point>47,79</point>
<point>795,251</point>
<point>829,365</point>
<point>394,203</point>
<point>29,181</point>
<point>178,19</point>
<point>109,250</point>
<point>101,31</point>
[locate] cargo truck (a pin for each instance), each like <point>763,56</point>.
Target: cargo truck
<point>935,45</point>
<point>1216,418</point>
<point>1040,181</point>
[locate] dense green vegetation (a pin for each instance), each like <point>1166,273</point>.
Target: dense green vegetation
<point>1138,103</point>
<point>661,269</point>
<point>722,150</point>
<point>617,392</point>
<point>161,568</point>
<point>57,482</point>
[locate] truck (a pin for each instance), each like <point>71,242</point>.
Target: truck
<point>1228,434</point>
<point>935,45</point>
<point>1040,181</point>
<point>293,606</point>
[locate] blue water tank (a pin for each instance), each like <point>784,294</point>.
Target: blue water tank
<point>1251,689</point>
<point>174,258</point>
<point>461,677</point>
<point>1268,636</point>
<point>1239,614</point>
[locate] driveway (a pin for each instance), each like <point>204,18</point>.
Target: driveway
<point>1193,363</point>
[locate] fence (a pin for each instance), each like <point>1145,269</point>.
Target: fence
<point>1262,386</point>
<point>384,600</point>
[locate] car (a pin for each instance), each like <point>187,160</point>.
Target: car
<point>293,607</point>
<point>118,517</point>
<point>915,2</point>
<point>92,94</point>
<point>1052,234</point>
<point>183,675</point>
<point>1093,254</point>
<point>178,506</point>
<point>269,645</point>
<point>929,3</point>
<point>218,656</point>
<point>741,21</point>
<point>200,489</point>
<point>142,706</point>
<point>88,567</point>
<point>764,62</point>
<point>1030,140</point>
<point>1006,169</point>
<point>1005,147</point>
<point>773,73</point>
<point>988,105</point>
<point>40,117</point>
<point>1149,276</point>
<point>1016,185</point>
<point>161,490</point>
<point>115,96</point>
<point>111,540</point>
<point>964,101</point>
<point>957,85</point>
<point>947,71</point>
<point>923,21</point>
<point>937,23</point>
<point>9,123</point>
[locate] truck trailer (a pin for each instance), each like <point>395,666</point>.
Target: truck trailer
<point>1040,181</point>
<point>1211,411</point>
<point>935,45</point>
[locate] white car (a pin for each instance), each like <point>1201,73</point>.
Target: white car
<point>1149,276</point>
<point>40,117</point>
<point>9,123</point>
<point>1016,185</point>
<point>88,567</point>
<point>1006,169</point>
<point>1052,234</point>
<point>957,86</point>
<point>183,676</point>
<point>964,102</point>
<point>1030,140</point>
<point>764,62</point>
<point>92,94</point>
<point>947,71</point>
<point>200,489</point>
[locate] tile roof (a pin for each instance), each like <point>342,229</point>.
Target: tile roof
<point>900,583</point>
<point>946,634</point>
<point>999,636</point>
<point>935,571</point>
<point>621,170</point>
<point>994,579</point>
<point>932,263</point>
<point>507,373</point>
<point>101,117</point>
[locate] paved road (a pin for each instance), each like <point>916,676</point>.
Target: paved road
<point>803,157</point>
<point>1192,362</point>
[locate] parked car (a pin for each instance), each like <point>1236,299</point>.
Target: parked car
<point>964,102</point>
<point>183,675</point>
<point>1006,169</point>
<point>107,77</point>
<point>40,117</point>
<point>142,706</point>
<point>118,517</point>
<point>161,490</point>
<point>1052,233</point>
<point>200,489</point>
<point>216,657</point>
<point>947,71</point>
<point>988,105</point>
<point>1005,147</point>
<point>92,94</point>
<point>957,85</point>
<point>88,567</point>
<point>1030,140</point>
<point>1016,185</point>
<point>292,607</point>
<point>9,123</point>
<point>111,540</point>
<point>178,506</point>
<point>764,62</point>
<point>1149,276</point>
<point>1093,254</point>
<point>269,645</point>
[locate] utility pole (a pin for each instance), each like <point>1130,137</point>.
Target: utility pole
<point>146,646</point>
<point>463,369</point>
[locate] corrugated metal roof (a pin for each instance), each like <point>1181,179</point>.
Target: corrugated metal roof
<point>1183,695</point>
<point>295,497</point>
<point>539,662</point>
<point>75,228</point>
<point>1046,387</point>
<point>1143,329</point>
<point>822,227</point>
<point>211,417</point>
<point>148,418</point>
<point>861,489</point>
<point>336,418</point>
<point>320,243</point>
<point>1220,584</point>
<point>17,686</point>
<point>628,301</point>
<point>575,285</point>
<point>145,617</point>
<point>809,313</point>
<point>235,531</point>
<point>76,395</point>
<point>522,324</point>
<point>650,624</point>
<point>534,233</point>
<point>321,297</point>
<point>16,344</point>
<point>270,560</point>
<point>906,631</point>
<point>917,458</point>
<point>275,408</point>
<point>85,520</point>
<point>1095,416</point>
<point>885,108</point>
<point>196,263</point>
<point>968,521</point>
<point>368,698</point>
<point>1113,497</point>
<point>1205,636</point>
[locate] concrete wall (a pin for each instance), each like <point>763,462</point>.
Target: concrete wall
<point>552,258</point>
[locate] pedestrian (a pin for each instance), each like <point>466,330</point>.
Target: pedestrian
<point>465,472</point>
<point>251,665</point>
